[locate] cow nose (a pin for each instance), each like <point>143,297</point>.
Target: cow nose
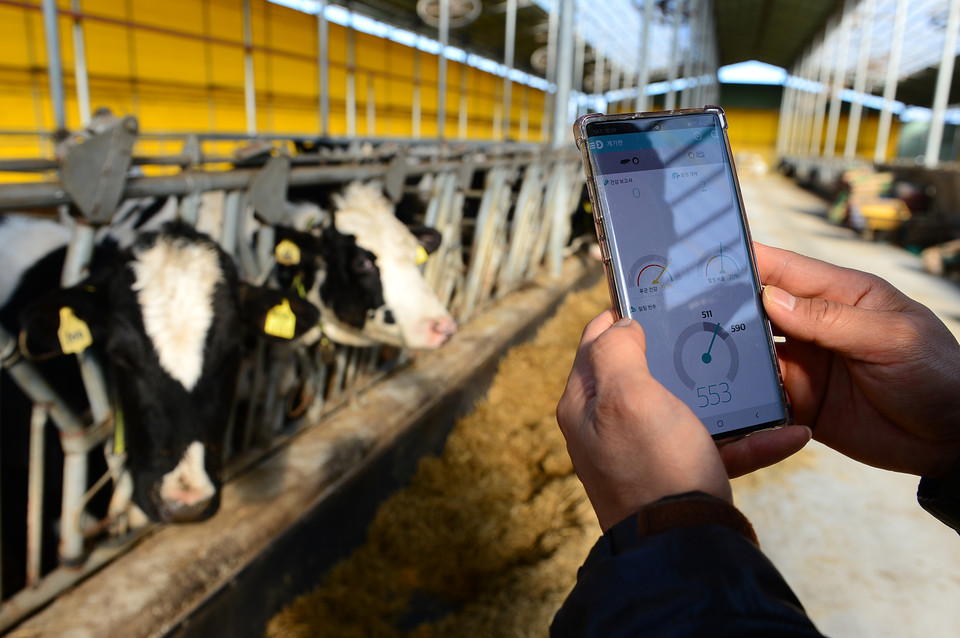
<point>184,512</point>
<point>445,327</point>
<point>186,493</point>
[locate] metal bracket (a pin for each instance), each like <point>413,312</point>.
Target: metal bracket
<point>395,178</point>
<point>94,173</point>
<point>268,190</point>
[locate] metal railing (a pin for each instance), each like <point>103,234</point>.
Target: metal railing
<point>520,230</point>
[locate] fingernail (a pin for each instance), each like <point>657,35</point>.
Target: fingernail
<point>781,297</point>
<point>623,323</point>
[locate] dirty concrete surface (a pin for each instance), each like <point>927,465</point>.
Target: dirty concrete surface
<point>861,555</point>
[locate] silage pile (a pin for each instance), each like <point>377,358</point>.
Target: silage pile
<point>487,539</point>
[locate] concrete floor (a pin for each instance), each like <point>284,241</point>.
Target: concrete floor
<point>862,556</point>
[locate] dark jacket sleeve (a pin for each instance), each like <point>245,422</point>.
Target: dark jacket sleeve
<point>684,569</point>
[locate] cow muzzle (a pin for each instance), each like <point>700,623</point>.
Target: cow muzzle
<point>186,493</point>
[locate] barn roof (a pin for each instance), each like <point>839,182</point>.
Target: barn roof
<point>776,32</point>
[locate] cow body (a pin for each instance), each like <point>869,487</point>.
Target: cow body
<point>167,317</point>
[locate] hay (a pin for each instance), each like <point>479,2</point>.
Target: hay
<point>487,539</point>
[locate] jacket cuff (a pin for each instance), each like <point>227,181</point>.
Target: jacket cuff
<point>691,509</point>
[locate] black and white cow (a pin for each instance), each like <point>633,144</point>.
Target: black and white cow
<point>167,317</point>
<point>389,258</point>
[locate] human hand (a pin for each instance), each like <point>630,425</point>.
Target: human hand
<point>875,374</point>
<point>632,442</point>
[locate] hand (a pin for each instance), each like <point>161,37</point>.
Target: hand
<point>631,441</point>
<point>875,374</point>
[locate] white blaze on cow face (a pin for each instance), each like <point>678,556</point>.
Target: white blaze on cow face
<point>176,302</point>
<point>411,306</point>
<point>188,484</point>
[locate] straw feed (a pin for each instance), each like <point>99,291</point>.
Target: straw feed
<point>487,538</point>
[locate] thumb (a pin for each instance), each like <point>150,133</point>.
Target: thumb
<point>827,323</point>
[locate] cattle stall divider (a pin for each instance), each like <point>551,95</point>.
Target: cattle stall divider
<point>527,196</point>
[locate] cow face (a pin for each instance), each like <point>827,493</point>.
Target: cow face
<point>169,319</point>
<point>411,315</point>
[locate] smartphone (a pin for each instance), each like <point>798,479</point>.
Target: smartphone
<point>679,260</point>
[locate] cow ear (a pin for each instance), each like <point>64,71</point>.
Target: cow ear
<point>428,237</point>
<point>64,321</point>
<point>276,315</point>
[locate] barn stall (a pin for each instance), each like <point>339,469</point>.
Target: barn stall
<point>253,98</point>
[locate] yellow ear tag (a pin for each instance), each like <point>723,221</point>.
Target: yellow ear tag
<point>287,253</point>
<point>74,333</point>
<point>422,255</point>
<point>281,322</point>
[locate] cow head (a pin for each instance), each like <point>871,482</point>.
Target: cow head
<point>169,318</point>
<point>372,290</point>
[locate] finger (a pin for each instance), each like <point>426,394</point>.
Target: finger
<point>846,329</point>
<point>580,383</point>
<point>763,448</point>
<point>807,277</point>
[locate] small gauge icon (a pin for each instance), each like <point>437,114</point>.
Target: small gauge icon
<point>719,264</point>
<point>705,350</point>
<point>650,271</point>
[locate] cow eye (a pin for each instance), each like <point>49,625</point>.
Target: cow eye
<point>363,264</point>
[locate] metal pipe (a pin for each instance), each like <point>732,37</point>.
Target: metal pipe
<point>463,120</point>
<point>38,421</point>
<point>860,82</point>
<point>249,87</point>
<point>351,96</point>
<point>820,109</point>
<point>509,45</point>
<point>417,82</point>
<point>643,103</point>
<point>839,79</point>
<point>670,101</point>
<point>598,72</point>
<point>51,30</point>
<point>683,97</point>
<point>561,123</point>
<point>49,194</point>
<point>80,67</point>
<point>553,24</point>
<point>442,69</point>
<point>942,93</point>
<point>323,67</point>
<point>74,487</point>
<point>371,106</point>
<point>891,81</point>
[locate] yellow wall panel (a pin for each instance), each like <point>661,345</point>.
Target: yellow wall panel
<point>179,109</point>
<point>293,76</point>
<point>179,66</point>
<point>176,15</point>
<point>291,31</point>
<point>18,111</point>
<point>165,58</point>
<point>20,38</point>
<point>103,8</point>
<point>107,49</point>
<point>226,66</point>
<point>226,20</point>
<point>337,43</point>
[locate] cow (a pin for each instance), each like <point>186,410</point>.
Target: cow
<point>167,318</point>
<point>389,257</point>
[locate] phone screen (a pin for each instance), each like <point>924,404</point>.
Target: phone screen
<point>682,267</point>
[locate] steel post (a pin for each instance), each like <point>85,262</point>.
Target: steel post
<point>942,92</point>
<point>890,82</point>
<point>51,30</point>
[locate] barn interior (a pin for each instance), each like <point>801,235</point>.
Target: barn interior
<point>467,106</point>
